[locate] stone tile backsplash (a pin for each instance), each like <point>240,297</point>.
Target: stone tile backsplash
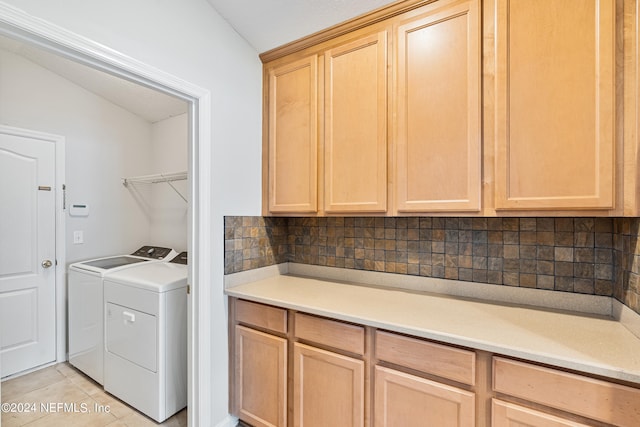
<point>627,264</point>
<point>254,242</point>
<point>583,255</point>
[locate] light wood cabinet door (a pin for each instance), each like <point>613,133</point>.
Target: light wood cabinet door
<point>439,147</point>
<point>260,378</point>
<point>293,137</point>
<point>355,137</point>
<point>555,104</point>
<point>505,414</point>
<point>404,400</point>
<point>328,389</point>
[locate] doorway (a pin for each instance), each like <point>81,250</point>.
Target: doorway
<point>20,26</point>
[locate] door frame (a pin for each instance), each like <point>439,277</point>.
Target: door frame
<point>60,232</point>
<point>19,25</point>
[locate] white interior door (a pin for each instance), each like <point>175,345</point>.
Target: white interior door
<point>27,252</point>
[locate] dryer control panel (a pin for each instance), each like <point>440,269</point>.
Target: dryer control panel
<point>180,259</point>
<point>153,252</point>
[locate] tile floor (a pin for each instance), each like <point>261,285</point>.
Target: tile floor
<point>63,384</point>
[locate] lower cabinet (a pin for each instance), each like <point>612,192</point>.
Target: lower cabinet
<point>404,400</point>
<point>328,388</point>
<point>293,369</point>
<point>585,397</point>
<point>261,378</point>
<point>260,364</point>
<point>508,415</point>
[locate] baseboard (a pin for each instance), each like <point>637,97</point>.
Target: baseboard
<point>230,421</point>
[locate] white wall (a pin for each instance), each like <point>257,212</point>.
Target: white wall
<point>190,40</point>
<point>103,144</point>
<point>169,215</point>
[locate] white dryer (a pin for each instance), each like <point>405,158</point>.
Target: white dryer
<point>86,317</point>
<point>146,337</point>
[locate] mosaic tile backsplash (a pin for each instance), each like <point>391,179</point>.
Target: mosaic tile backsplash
<point>253,242</point>
<point>598,256</point>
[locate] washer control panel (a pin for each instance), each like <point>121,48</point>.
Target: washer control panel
<point>153,252</point>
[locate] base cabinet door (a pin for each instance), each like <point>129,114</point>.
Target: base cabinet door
<point>509,415</point>
<point>328,389</point>
<point>404,400</point>
<point>261,378</point>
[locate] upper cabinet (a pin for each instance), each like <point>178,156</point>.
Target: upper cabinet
<point>458,107</point>
<point>555,104</point>
<point>355,137</point>
<point>342,169</point>
<point>438,138</point>
<point>292,146</point>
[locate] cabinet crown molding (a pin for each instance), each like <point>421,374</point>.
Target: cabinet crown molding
<point>369,18</point>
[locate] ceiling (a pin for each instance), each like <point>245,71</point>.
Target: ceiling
<point>149,104</point>
<point>267,24</point>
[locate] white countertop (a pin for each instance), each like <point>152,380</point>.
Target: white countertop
<point>593,344</point>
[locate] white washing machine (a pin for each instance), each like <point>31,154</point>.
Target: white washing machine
<point>86,317</point>
<point>145,361</point>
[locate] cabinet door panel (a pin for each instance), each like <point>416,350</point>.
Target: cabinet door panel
<point>261,378</point>
<point>505,414</point>
<point>438,140</point>
<point>293,137</point>
<point>403,400</point>
<point>356,126</point>
<point>328,389</point>
<point>555,95</point>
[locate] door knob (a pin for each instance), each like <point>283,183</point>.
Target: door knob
<point>47,263</point>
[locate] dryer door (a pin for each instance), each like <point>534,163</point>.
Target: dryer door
<point>132,335</point>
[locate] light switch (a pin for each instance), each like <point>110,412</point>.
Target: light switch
<point>78,237</point>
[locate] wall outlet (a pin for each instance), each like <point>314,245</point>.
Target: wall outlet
<point>78,237</point>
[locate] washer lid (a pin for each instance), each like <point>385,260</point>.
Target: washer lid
<point>157,276</point>
<point>102,266</point>
<point>113,262</point>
